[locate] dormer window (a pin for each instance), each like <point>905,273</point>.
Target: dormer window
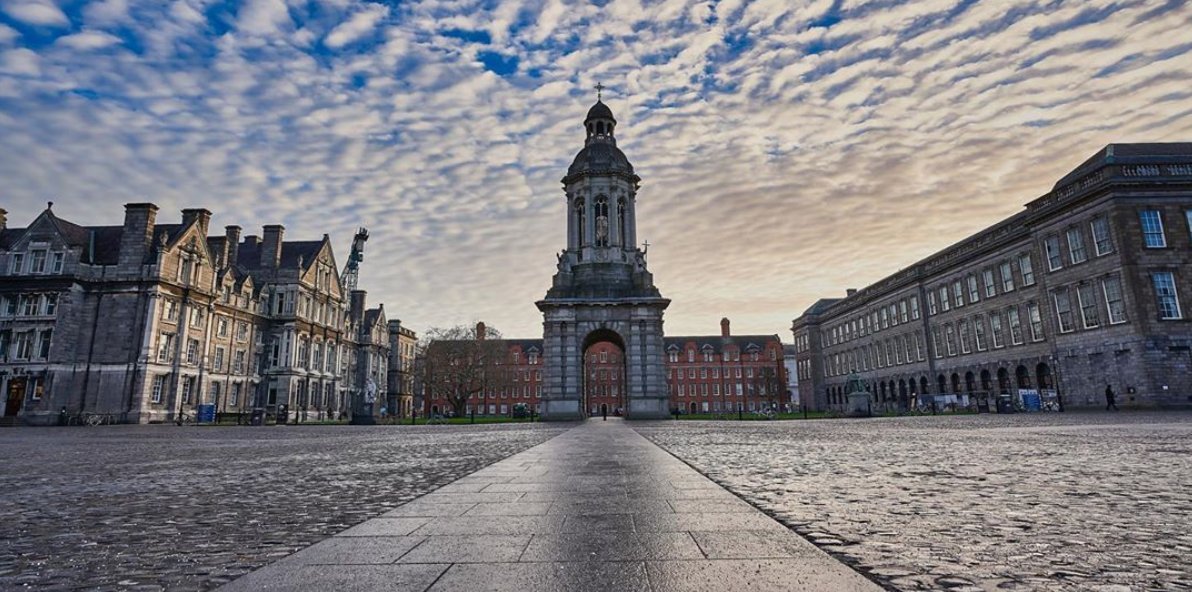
<point>57,259</point>
<point>37,263</point>
<point>16,263</point>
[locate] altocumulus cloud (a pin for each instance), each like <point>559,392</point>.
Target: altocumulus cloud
<point>788,149</point>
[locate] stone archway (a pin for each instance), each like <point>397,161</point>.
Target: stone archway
<point>603,377</point>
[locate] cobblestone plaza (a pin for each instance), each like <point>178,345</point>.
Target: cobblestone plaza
<point>1024,502</point>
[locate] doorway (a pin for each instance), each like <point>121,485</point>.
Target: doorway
<point>16,395</point>
<point>603,384</point>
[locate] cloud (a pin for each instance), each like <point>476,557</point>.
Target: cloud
<point>89,40</point>
<point>788,150</point>
<point>359,25</point>
<point>36,12</point>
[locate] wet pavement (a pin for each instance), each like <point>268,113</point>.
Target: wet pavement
<point>1098,502</point>
<point>597,508</point>
<point>190,508</point>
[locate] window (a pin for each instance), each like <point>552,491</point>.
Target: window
<point>1076,250</point>
<point>964,337</point>
<point>37,262</point>
<point>234,395</point>
<point>1027,268</point>
<point>979,332</point>
<point>1088,306</point>
<point>1007,277</point>
<point>219,359</point>
<point>238,361</point>
<point>945,304</point>
<point>1063,310</point>
<point>885,319</point>
<point>188,384</point>
<point>990,288</point>
<point>49,304</point>
<point>216,389</point>
<point>1112,288</point>
<point>159,385</point>
<point>171,310</point>
<point>1166,296</point>
<point>241,331</point>
<point>1035,318</point>
<point>43,343</point>
<point>165,347</point>
<point>23,345</point>
<point>935,342</point>
<point>915,307</point>
<point>1051,247</point>
<point>56,261</point>
<point>1152,229</point>
<point>690,355</point>
<point>5,343</point>
<point>192,351</point>
<point>931,303</point>
<point>1101,240</point>
<point>902,315</point>
<point>1015,324</point>
<point>957,293</point>
<point>8,307</point>
<point>16,263</point>
<point>221,326</point>
<point>674,357</point>
<point>196,317</point>
<point>995,330</point>
<point>973,290</point>
<point>950,339</point>
<point>29,304</point>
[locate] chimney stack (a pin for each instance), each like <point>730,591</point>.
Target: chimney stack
<point>271,246</point>
<point>481,331</point>
<point>3,218</point>
<point>201,214</point>
<point>137,235</point>
<point>850,292</point>
<point>356,304</point>
<point>233,237</point>
<point>724,332</point>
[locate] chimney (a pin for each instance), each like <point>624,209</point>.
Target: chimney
<point>356,304</point>
<point>137,235</point>
<point>232,233</point>
<point>201,214</point>
<point>724,332</point>
<point>271,246</point>
<point>3,218</point>
<point>252,240</point>
<point>850,292</point>
<point>481,331</point>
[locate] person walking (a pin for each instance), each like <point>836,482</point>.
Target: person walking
<point>1110,398</point>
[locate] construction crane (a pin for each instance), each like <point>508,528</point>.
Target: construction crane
<point>352,268</point>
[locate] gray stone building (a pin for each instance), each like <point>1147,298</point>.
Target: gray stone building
<point>403,347</point>
<point>1087,287</point>
<point>146,321</point>
<point>602,291</point>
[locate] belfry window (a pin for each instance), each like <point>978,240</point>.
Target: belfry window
<point>621,228</point>
<point>579,221</point>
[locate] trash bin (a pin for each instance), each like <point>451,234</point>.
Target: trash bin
<point>1005,404</point>
<point>283,414</point>
<point>258,417</point>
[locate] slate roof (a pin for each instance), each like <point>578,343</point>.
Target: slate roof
<point>1146,153</point>
<point>600,156</point>
<point>599,111</point>
<point>717,343</point>
<point>249,254</point>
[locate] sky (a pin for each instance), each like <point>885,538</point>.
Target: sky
<point>788,149</point>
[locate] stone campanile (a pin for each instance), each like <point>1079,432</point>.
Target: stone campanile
<point>602,291</point>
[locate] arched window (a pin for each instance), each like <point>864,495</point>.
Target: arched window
<point>622,228</point>
<point>601,214</point>
<point>579,222</point>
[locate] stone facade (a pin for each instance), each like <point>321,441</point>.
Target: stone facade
<point>403,344</point>
<point>145,321</point>
<point>1087,287</point>
<point>602,291</point>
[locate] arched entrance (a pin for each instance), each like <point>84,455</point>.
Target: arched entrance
<point>1023,377</point>
<point>1043,375</point>
<point>1003,381</point>
<point>603,381</point>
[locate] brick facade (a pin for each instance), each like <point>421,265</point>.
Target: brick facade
<point>1064,298</point>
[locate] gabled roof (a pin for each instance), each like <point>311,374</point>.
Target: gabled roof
<point>718,343</point>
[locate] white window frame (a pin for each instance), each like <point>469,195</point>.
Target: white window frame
<point>1175,296</point>
<point>1051,251</point>
<point>1076,247</point>
<point>1103,223</point>
<point>1161,233</point>
<point>1109,304</point>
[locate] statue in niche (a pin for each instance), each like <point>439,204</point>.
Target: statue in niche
<point>602,230</point>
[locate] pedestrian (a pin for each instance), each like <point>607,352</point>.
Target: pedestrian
<point>1110,398</point>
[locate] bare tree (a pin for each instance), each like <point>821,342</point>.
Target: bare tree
<point>770,384</point>
<point>459,363</point>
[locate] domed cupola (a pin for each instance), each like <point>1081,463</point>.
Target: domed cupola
<point>600,153</point>
<point>600,123</point>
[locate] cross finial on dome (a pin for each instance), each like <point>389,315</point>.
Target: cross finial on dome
<point>599,91</point>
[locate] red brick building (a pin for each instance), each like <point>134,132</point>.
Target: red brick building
<point>705,374</point>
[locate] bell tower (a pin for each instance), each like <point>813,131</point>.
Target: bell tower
<point>602,289</point>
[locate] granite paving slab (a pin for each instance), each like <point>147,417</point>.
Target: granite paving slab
<point>598,507</point>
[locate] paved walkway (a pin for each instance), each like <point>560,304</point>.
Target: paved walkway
<point>596,508</point>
